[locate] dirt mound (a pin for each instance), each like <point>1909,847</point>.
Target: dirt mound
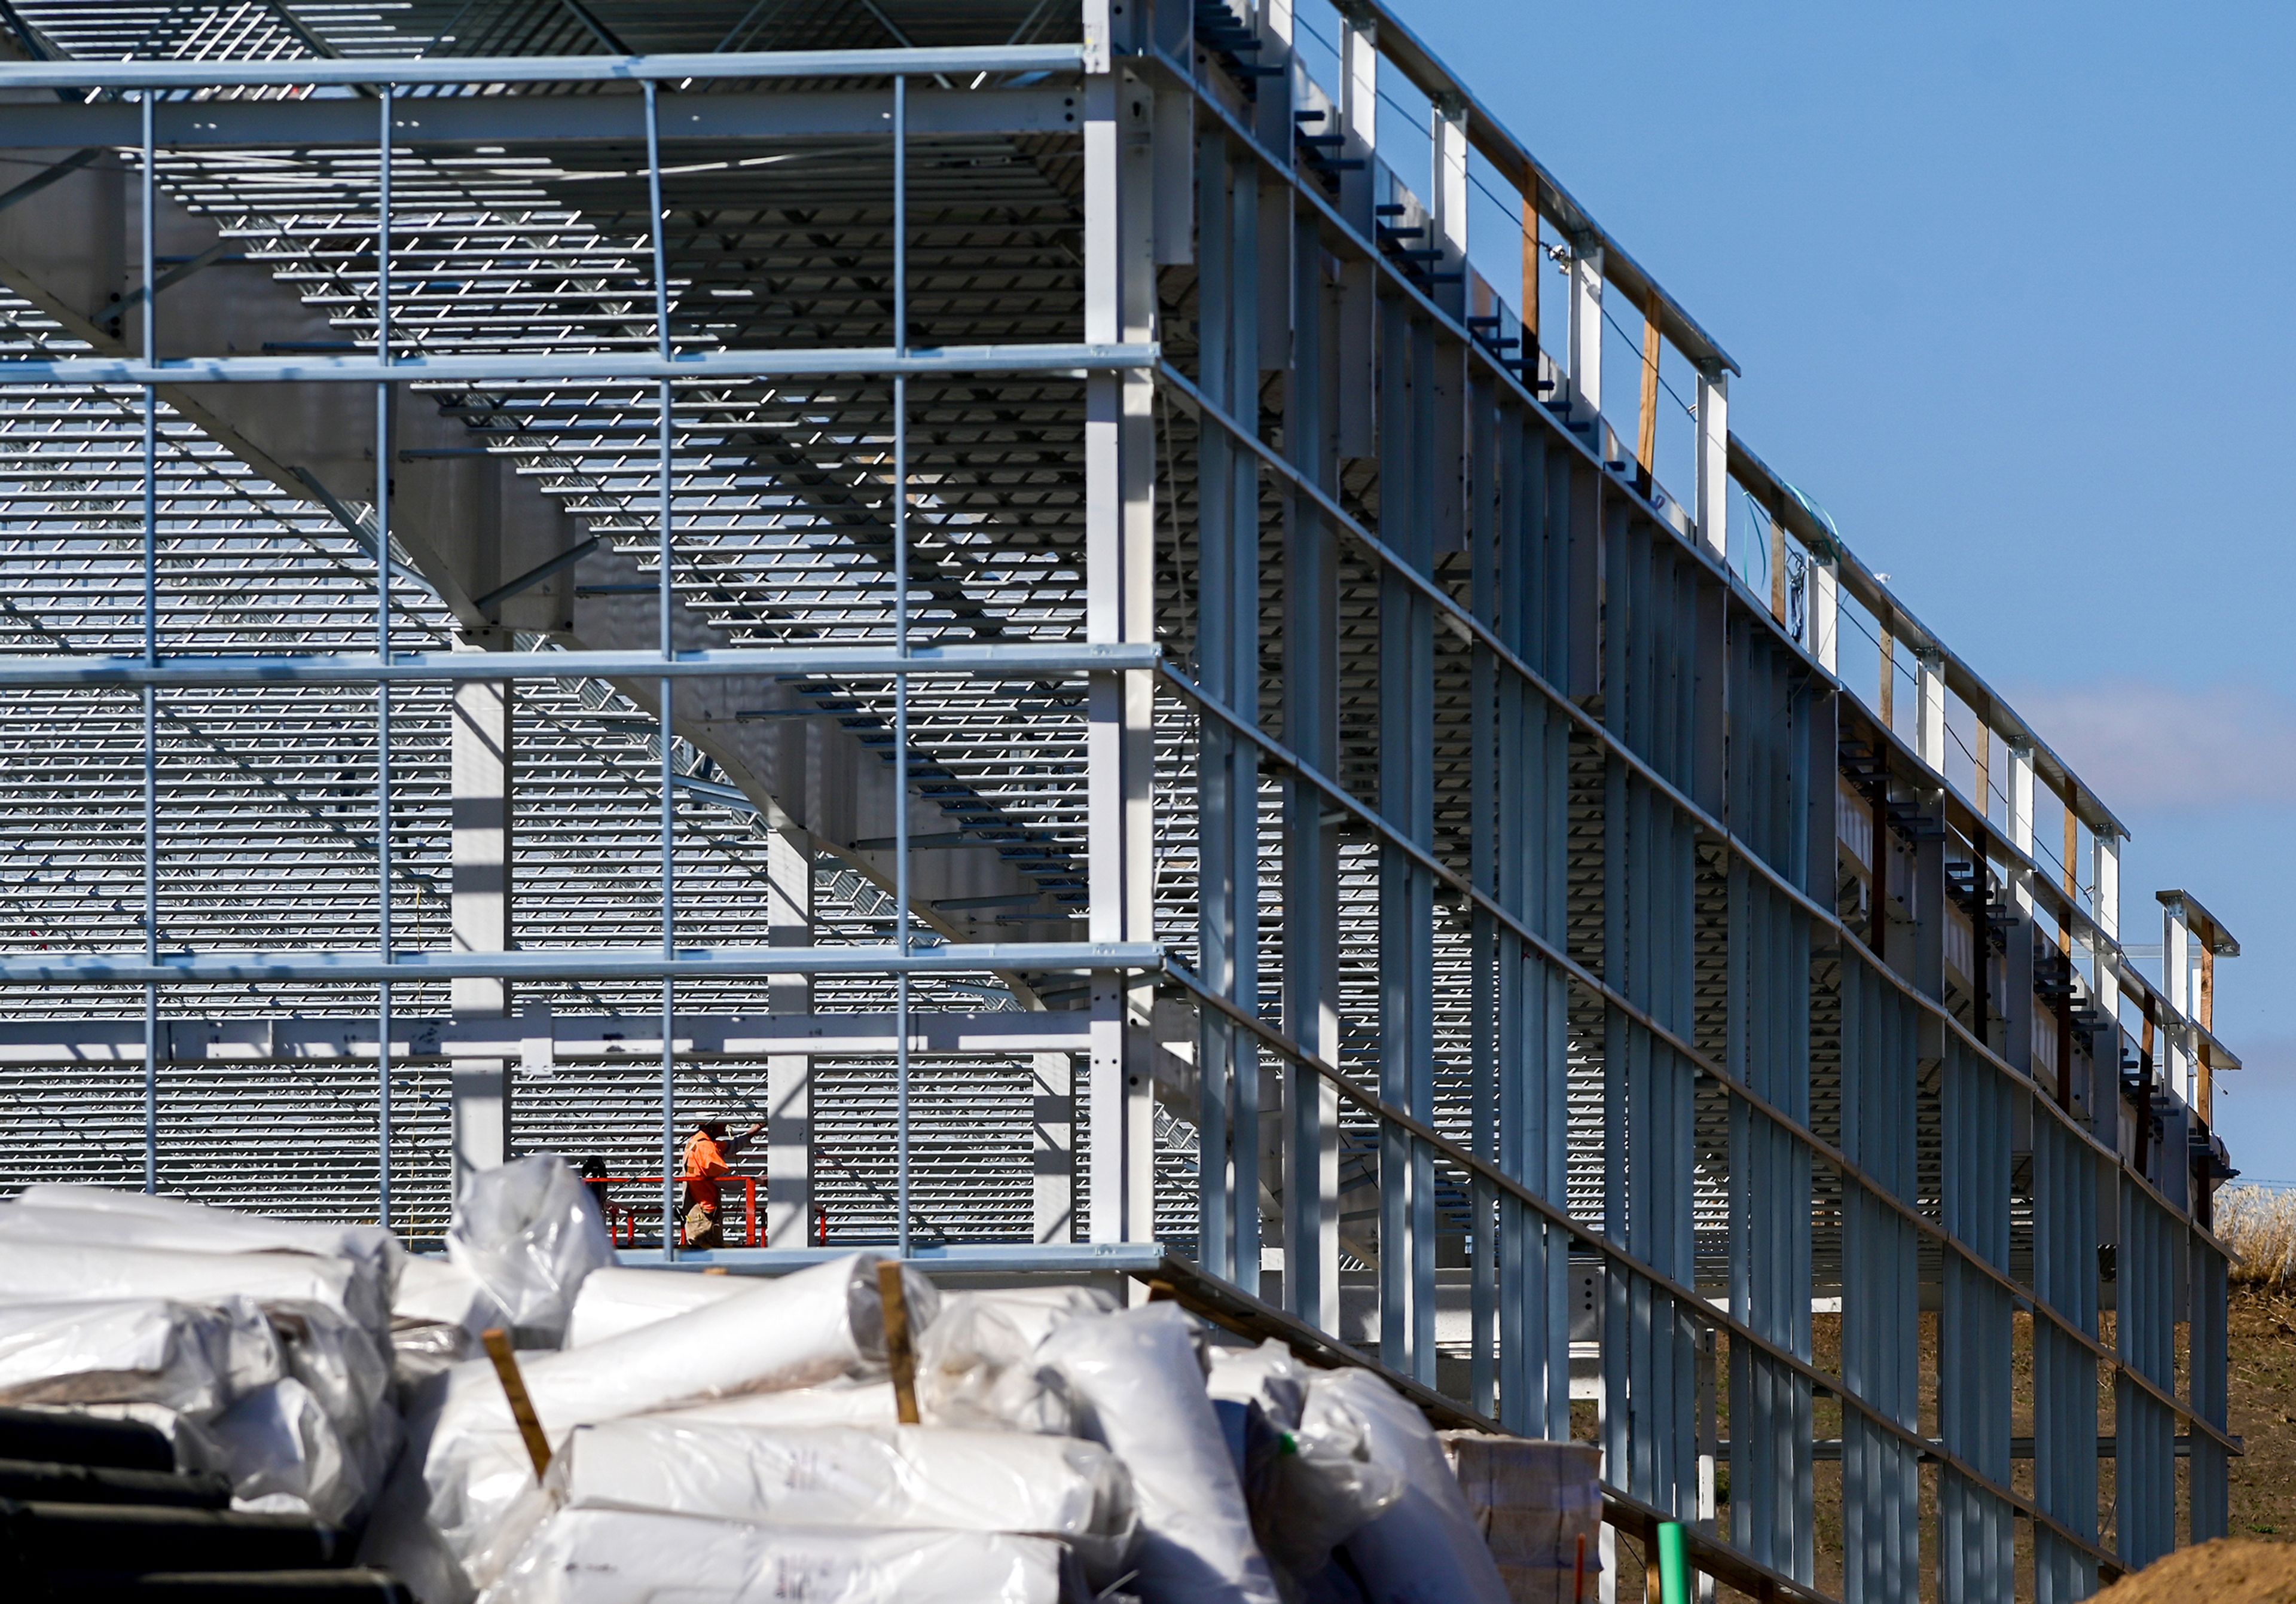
<point>2232,1570</point>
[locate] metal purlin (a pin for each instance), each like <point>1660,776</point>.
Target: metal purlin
<point>382,467</point>
<point>148,208</point>
<point>901,649</point>
<point>665,601</point>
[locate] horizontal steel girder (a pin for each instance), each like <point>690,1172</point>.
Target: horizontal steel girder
<point>732,64</point>
<point>539,119</point>
<point>608,1037</point>
<point>581,963</point>
<point>351,668</point>
<point>551,367</point>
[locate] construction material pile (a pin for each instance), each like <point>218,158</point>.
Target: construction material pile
<point>723,1438</point>
<point>846,1432</point>
<point>259,1347</point>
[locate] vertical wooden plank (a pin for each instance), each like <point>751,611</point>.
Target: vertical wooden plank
<point>1777,571</point>
<point>900,1351</point>
<point>1531,257</point>
<point>1646,449</point>
<point>1889,683</point>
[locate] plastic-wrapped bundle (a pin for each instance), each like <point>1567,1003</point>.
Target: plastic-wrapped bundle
<point>1427,1549</point>
<point>52,1211</point>
<point>846,1403</point>
<point>436,1316</point>
<point>1141,1391</point>
<point>1267,1375</point>
<point>1539,1505</point>
<point>1309,1490</point>
<point>437,1291</point>
<point>896,1478</point>
<point>58,1271</point>
<point>338,1362</point>
<point>614,1301</point>
<point>193,1359</point>
<point>281,1452</point>
<point>976,1362</point>
<point>529,1232</point>
<point>623,1557</point>
<point>801,1330</point>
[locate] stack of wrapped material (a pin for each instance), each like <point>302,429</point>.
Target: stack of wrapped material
<point>714,1438</point>
<point>1539,1506</point>
<point>258,1346</point>
<point>719,1437</point>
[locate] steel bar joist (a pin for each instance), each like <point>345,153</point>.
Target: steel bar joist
<point>1047,598</point>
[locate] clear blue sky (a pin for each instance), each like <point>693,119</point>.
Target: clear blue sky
<point>2010,286</point>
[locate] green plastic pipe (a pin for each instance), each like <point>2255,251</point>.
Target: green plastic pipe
<point>1673,1564</point>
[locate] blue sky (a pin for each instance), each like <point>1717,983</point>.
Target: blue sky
<point>2009,285</point>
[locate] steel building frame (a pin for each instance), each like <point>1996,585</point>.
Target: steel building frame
<point>1109,470</point>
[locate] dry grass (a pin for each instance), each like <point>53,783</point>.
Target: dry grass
<point>2259,1224</point>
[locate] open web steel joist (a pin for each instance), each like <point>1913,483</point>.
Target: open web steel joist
<point>1186,729</point>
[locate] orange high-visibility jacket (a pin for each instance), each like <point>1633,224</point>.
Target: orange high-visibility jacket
<point>704,1159</point>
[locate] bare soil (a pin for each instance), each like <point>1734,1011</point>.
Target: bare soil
<point>2232,1570</point>
<point>2263,1414</point>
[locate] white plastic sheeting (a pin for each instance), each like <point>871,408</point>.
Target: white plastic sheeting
<point>1267,1375</point>
<point>317,1435</point>
<point>799,1330</point>
<point>977,1364</point>
<point>437,1291</point>
<point>300,1412</point>
<point>1427,1549</point>
<point>529,1232</point>
<point>61,1272</point>
<point>278,1444</point>
<point>897,1477</point>
<point>621,1557</point>
<point>339,1364</point>
<point>1318,1486</point>
<point>1140,1388</point>
<point>850,1402</point>
<point>613,1300</point>
<point>49,1211</point>
<point>435,1317</point>
<point>192,1359</point>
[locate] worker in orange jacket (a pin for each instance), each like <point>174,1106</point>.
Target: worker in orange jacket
<point>707,1157</point>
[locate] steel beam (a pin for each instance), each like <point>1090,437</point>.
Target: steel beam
<point>789,1076</point>
<point>569,1039</point>
<point>556,367</point>
<point>373,71</point>
<point>531,119</point>
<point>579,963</point>
<point>1119,536</point>
<point>483,918</point>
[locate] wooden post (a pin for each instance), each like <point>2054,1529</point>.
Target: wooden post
<point>522,1406</point>
<point>1889,679</point>
<point>900,1354</point>
<point>1646,451</point>
<point>1532,256</point>
<point>1983,758</point>
<point>1777,571</point>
